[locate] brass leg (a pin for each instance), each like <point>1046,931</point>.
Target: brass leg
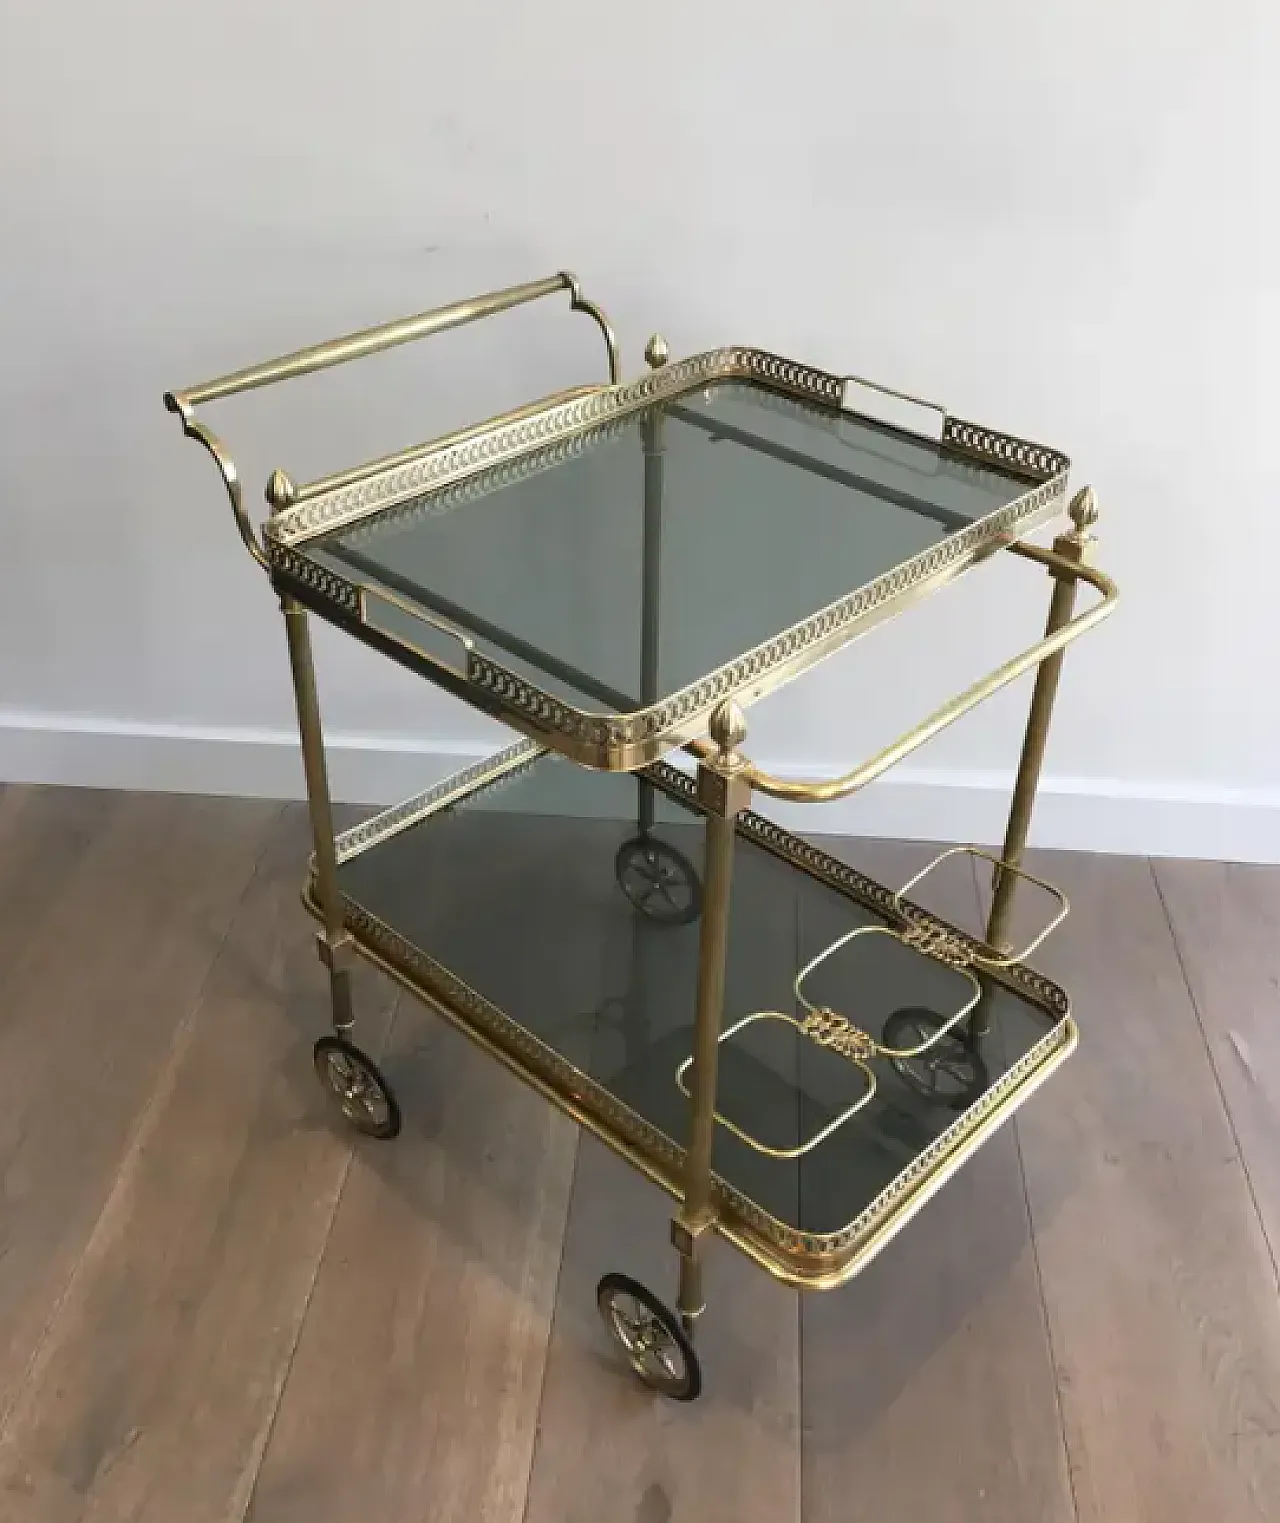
<point>334,943</point>
<point>724,791</point>
<point>1073,545</point>
<point>647,811</point>
<point>653,432</point>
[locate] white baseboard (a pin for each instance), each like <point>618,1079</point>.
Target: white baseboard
<point>1082,814</point>
<point>234,763</point>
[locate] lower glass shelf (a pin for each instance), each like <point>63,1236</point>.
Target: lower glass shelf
<point>526,903</point>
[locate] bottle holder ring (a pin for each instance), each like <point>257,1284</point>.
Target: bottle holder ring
<point>929,940</point>
<point>830,1030</point>
<point>993,957</point>
<point>921,933</point>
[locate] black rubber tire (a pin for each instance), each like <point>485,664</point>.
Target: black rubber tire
<point>657,905</point>
<point>957,1057</point>
<point>381,1121</point>
<point>687,1385</point>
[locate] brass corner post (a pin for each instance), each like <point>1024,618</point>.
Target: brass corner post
<point>334,942</point>
<point>652,431</point>
<point>1073,546</point>
<point>724,790</point>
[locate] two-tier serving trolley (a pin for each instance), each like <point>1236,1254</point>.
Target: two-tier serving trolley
<point>799,1055</point>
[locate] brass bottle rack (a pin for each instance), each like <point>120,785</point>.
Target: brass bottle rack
<point>830,1029</point>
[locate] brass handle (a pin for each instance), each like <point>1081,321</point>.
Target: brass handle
<point>230,479</point>
<point>404,330</point>
<point>354,346</point>
<point>374,595</point>
<point>888,391</point>
<point>826,789</point>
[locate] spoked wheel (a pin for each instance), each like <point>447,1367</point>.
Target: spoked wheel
<point>659,880</point>
<point>651,1337</point>
<point>950,1073</point>
<point>357,1088</point>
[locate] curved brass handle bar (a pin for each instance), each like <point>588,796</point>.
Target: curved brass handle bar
<point>354,346</point>
<point>826,789</point>
<point>230,477</point>
<point>579,303</point>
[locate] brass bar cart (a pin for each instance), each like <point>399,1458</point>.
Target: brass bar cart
<point>799,1055</point>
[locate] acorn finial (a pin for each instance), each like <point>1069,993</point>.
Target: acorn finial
<point>281,491</point>
<point>1084,512</point>
<point>656,352</point>
<point>728,726</point>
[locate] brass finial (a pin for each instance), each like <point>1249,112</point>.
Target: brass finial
<point>1084,513</point>
<point>656,352</point>
<point>281,491</point>
<point>728,727</point>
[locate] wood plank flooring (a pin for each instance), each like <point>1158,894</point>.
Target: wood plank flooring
<point>93,1002</point>
<point>1160,1293</point>
<point>217,1305</point>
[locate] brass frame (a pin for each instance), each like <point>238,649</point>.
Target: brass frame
<point>440,475</point>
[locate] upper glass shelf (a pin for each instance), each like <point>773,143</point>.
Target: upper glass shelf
<point>709,541</point>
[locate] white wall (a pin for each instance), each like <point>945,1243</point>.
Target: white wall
<point>1060,218</point>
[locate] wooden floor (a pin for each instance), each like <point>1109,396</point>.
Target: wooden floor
<point>214,1307</point>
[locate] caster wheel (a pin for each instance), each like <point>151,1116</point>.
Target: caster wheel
<point>656,1346</point>
<point>660,881</point>
<point>949,1073</point>
<point>357,1088</point>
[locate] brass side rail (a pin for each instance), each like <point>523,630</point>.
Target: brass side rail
<point>354,346</point>
<point>824,790</point>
